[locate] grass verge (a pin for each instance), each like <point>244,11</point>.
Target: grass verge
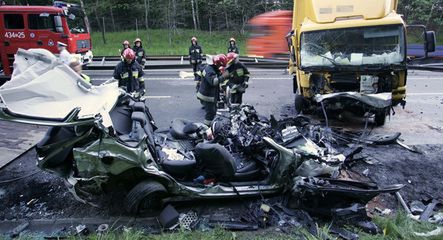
<point>395,227</point>
<point>156,41</point>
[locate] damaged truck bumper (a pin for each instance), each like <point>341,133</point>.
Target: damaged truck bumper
<point>378,100</point>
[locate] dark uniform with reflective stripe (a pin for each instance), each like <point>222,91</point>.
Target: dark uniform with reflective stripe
<point>198,76</point>
<point>130,76</point>
<point>233,48</point>
<point>209,90</point>
<point>238,81</point>
<point>195,56</point>
<point>140,55</point>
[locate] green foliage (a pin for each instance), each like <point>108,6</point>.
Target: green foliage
<point>398,227</point>
<point>231,15</point>
<point>401,226</point>
<point>158,42</point>
<point>215,15</point>
<point>426,12</point>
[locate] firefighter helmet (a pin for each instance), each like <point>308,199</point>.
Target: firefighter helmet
<point>193,39</point>
<point>231,57</point>
<point>128,54</point>
<point>220,60</point>
<point>232,40</point>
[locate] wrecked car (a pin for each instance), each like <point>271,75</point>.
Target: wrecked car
<point>101,138</point>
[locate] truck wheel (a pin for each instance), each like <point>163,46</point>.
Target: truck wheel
<point>380,117</point>
<point>299,103</point>
<point>144,196</point>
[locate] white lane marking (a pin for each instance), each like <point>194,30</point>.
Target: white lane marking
<point>158,97</point>
<point>423,78</point>
<point>423,94</point>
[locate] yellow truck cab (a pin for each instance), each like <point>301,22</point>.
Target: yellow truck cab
<point>349,54</point>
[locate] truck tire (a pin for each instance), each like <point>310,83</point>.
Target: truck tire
<point>145,195</point>
<point>299,103</point>
<point>380,117</point>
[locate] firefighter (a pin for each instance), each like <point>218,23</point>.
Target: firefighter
<point>125,45</point>
<point>198,76</point>
<point>140,54</point>
<point>65,56</point>
<point>238,78</point>
<point>233,46</point>
<point>129,73</point>
<point>195,54</point>
<point>77,67</point>
<point>209,86</point>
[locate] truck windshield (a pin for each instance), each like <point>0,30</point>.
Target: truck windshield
<point>76,21</point>
<point>380,45</point>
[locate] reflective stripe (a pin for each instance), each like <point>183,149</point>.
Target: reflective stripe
<point>224,83</point>
<point>205,98</point>
<point>86,78</point>
<point>240,72</point>
<point>142,79</point>
<point>135,74</point>
<point>124,75</point>
<point>234,88</point>
<point>207,122</point>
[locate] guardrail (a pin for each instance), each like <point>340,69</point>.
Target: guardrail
<point>182,58</point>
<point>181,62</point>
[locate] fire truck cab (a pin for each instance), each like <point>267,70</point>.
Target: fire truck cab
<point>42,27</point>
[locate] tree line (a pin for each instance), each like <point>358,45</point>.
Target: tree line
<point>207,15</point>
<point>212,15</point>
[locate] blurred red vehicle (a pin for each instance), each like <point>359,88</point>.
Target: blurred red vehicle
<point>267,34</point>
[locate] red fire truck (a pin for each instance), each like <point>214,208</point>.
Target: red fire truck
<point>41,27</point>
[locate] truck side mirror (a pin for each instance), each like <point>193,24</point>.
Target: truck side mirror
<point>58,24</point>
<point>430,41</point>
<point>425,39</point>
<point>289,38</point>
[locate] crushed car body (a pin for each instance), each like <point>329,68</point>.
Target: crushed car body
<point>102,138</point>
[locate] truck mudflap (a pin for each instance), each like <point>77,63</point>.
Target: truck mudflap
<point>378,100</point>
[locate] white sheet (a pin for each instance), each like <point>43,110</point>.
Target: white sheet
<point>55,92</point>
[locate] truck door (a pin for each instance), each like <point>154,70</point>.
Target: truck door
<point>13,36</point>
<point>42,31</point>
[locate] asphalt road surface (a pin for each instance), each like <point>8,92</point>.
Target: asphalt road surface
<point>270,91</point>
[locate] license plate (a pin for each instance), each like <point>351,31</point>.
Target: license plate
<point>368,84</point>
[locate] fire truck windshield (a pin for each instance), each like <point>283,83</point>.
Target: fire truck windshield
<point>76,21</point>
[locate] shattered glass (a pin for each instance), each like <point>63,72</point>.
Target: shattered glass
<point>379,45</point>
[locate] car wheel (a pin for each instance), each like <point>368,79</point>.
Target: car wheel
<point>146,195</point>
<point>380,117</point>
